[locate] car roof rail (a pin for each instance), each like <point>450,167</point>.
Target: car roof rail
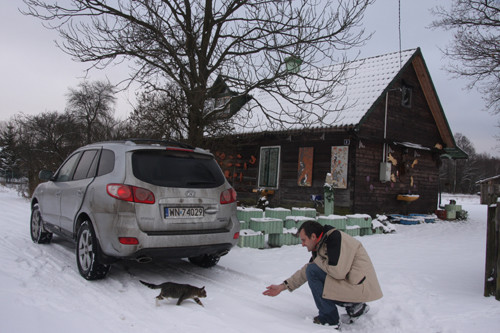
<point>160,142</point>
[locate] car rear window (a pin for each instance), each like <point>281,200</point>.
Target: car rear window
<point>176,169</point>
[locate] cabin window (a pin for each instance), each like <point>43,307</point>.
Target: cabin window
<point>406,96</point>
<point>269,166</point>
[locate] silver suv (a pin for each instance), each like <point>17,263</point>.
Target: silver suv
<point>139,200</point>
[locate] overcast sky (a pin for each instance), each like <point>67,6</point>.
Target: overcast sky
<point>36,75</point>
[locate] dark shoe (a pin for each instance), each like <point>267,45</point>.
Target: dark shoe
<point>353,313</point>
<point>316,320</point>
<point>357,310</point>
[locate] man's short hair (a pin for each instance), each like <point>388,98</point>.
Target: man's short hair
<point>311,227</point>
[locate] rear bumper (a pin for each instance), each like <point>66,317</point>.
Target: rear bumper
<point>181,252</point>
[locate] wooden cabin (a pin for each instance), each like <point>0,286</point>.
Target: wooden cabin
<point>382,150</point>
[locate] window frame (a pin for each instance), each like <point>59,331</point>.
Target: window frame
<point>88,168</point>
<point>262,156</point>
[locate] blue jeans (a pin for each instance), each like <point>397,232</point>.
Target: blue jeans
<point>328,313</point>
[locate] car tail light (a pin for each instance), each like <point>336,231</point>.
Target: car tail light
<point>228,196</point>
<point>143,196</point>
<point>130,193</point>
<point>128,240</point>
<point>236,235</point>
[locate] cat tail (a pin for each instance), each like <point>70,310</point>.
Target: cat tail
<point>150,285</point>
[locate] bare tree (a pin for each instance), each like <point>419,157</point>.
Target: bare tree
<point>92,105</point>
<point>160,115</point>
<point>43,141</point>
<point>191,43</point>
<point>476,44</point>
<point>465,170</point>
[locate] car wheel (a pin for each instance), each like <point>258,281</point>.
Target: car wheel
<point>87,254</point>
<point>205,261</point>
<point>38,234</point>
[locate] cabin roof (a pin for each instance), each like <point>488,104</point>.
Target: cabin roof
<point>351,97</point>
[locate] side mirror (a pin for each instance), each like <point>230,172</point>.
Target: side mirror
<point>45,175</point>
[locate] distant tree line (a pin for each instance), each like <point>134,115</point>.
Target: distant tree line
<point>460,176</point>
<point>30,143</point>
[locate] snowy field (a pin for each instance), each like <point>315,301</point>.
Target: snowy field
<point>431,275</point>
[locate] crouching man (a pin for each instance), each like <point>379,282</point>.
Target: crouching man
<point>339,272</point>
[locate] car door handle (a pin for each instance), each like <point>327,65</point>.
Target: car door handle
<point>80,193</point>
<point>58,193</point>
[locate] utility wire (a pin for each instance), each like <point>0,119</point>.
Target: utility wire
<point>399,28</point>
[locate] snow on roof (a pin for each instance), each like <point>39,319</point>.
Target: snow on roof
<point>363,83</point>
<point>412,145</point>
<point>486,180</point>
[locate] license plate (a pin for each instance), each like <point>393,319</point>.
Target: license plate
<point>184,212</point>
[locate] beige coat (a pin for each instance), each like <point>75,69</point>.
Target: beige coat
<point>353,279</point>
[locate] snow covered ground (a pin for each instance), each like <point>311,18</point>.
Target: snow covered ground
<point>431,274</point>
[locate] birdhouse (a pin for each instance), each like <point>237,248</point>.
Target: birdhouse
<point>293,64</point>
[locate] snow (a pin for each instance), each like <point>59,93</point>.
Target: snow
<point>277,209</point>
<point>299,218</point>
<point>359,216</point>
<point>333,217</point>
<point>431,275</point>
<point>352,227</point>
<point>250,209</point>
<point>250,232</point>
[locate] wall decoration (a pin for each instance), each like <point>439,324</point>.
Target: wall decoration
<point>234,166</point>
<point>304,177</point>
<point>339,164</point>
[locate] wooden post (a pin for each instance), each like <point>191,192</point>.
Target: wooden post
<point>490,277</point>
<point>490,193</point>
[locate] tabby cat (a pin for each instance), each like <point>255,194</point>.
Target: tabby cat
<point>176,290</point>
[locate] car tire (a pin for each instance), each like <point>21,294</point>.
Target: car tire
<point>205,261</point>
<point>38,234</point>
<point>88,252</point>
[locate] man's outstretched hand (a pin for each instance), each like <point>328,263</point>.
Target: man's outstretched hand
<point>274,289</point>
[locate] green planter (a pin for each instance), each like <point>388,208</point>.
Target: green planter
<point>244,225</point>
<point>296,221</point>
<point>353,230</point>
<point>304,211</point>
<point>366,231</point>
<point>363,220</point>
<point>288,237</point>
<point>252,239</point>
<point>245,214</point>
<point>277,213</point>
<point>337,221</point>
<point>267,225</point>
